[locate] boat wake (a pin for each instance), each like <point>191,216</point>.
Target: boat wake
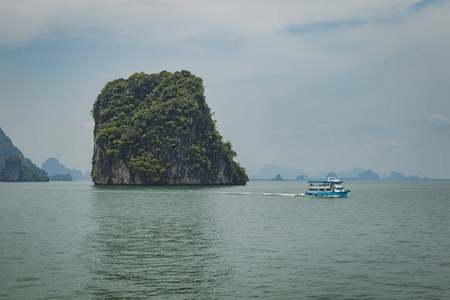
<point>270,194</point>
<point>280,194</point>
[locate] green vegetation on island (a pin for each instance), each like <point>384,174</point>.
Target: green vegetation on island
<point>14,167</point>
<point>61,177</point>
<point>158,130</point>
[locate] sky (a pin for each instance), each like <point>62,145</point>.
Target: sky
<point>318,85</point>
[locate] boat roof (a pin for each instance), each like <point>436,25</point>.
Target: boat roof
<point>325,181</point>
<point>330,180</point>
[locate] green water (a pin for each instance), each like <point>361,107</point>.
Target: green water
<point>387,240</point>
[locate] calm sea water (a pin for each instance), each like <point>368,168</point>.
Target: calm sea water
<point>388,240</point>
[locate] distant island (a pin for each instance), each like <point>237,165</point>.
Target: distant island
<point>158,130</point>
<point>288,174</point>
<point>14,167</point>
<point>368,175</point>
<point>278,178</point>
<point>61,177</point>
<point>59,172</point>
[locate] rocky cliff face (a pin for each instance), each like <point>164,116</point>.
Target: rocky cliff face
<point>11,170</point>
<point>158,130</point>
<point>15,171</point>
<point>14,166</point>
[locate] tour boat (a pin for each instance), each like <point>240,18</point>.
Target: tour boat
<point>327,188</point>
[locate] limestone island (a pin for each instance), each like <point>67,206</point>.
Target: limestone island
<point>14,166</point>
<point>158,130</point>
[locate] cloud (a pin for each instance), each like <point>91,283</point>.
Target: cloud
<point>323,26</point>
<point>154,20</point>
<point>241,33</point>
<point>377,145</point>
<point>438,122</point>
<point>322,127</point>
<point>386,14</point>
<point>157,20</point>
<point>287,131</point>
<point>421,5</point>
<point>390,143</point>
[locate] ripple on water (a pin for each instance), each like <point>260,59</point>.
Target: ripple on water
<point>256,241</point>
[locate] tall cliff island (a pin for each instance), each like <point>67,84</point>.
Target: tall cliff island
<point>158,130</point>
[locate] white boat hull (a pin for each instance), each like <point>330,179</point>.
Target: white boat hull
<point>330,195</point>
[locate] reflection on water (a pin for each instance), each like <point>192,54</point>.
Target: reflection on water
<point>151,241</point>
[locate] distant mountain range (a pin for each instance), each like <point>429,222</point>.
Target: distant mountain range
<point>269,171</point>
<point>272,172</point>
<point>58,171</point>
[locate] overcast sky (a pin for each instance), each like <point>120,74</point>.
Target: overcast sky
<point>318,85</point>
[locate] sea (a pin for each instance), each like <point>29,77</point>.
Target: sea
<point>74,240</point>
